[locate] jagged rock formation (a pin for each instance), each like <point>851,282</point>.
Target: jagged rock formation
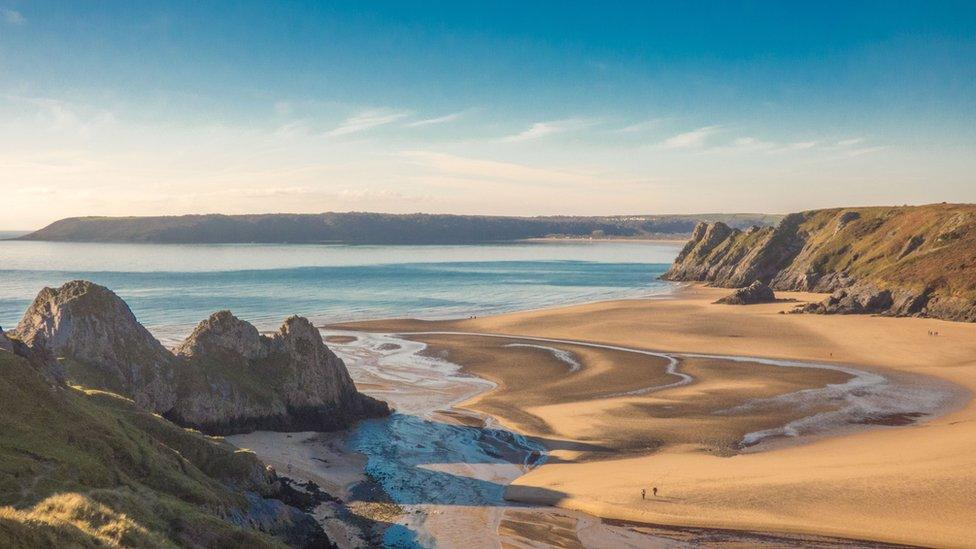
<point>225,378</point>
<point>242,381</point>
<point>100,343</point>
<point>902,261</point>
<point>757,292</point>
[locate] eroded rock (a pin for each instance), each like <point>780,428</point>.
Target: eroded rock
<point>225,378</point>
<point>757,292</point>
<point>100,343</point>
<point>237,380</point>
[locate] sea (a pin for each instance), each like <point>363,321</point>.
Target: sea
<point>172,287</point>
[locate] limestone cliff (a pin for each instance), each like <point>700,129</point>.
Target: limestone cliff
<point>100,343</point>
<point>237,380</point>
<point>225,378</point>
<point>918,260</point>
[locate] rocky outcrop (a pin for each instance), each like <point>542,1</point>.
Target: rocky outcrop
<point>757,292</point>
<point>100,343</point>
<point>918,260</point>
<point>852,302</point>
<point>225,378</point>
<point>238,380</point>
<point>5,343</point>
<point>735,258</point>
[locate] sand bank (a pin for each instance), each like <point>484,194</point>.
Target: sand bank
<point>908,484</point>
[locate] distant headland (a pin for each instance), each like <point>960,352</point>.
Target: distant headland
<point>899,260</point>
<point>378,228</point>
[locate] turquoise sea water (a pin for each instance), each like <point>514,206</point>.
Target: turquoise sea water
<point>172,287</point>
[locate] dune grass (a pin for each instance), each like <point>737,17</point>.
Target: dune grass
<point>88,469</point>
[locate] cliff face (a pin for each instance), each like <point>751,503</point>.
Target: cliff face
<point>917,260</point>
<point>100,343</point>
<point>238,380</point>
<point>225,378</point>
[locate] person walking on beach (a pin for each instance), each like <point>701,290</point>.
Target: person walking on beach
<point>654,491</point>
<point>643,493</point>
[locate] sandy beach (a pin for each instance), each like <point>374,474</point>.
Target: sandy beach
<point>871,438</point>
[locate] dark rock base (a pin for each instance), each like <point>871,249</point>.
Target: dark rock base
<point>757,292</point>
<point>321,419</point>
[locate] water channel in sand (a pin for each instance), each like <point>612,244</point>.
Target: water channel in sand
<point>448,468</point>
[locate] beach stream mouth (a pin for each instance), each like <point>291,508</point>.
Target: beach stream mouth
<point>448,468</point>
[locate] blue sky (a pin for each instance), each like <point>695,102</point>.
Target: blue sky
<point>550,108</point>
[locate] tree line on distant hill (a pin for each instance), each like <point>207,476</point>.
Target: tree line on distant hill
<point>376,228</point>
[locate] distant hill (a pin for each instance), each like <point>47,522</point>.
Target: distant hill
<point>375,228</point>
<point>908,260</point>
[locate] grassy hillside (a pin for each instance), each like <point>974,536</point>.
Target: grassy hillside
<point>88,469</point>
<point>903,260</point>
<point>372,228</point>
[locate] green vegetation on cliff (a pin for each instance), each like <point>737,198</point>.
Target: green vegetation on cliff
<point>908,260</point>
<point>373,228</point>
<point>89,469</point>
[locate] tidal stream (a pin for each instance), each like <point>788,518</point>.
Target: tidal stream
<point>448,468</point>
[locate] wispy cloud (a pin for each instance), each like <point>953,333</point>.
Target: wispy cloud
<point>370,195</point>
<point>42,191</point>
<point>438,120</point>
<point>864,150</point>
<point>752,143</point>
<point>295,128</point>
<point>851,148</point>
<point>850,142</point>
<point>367,120</point>
<point>273,191</point>
<point>492,169</point>
<point>63,116</point>
<point>641,126</point>
<point>12,17</point>
<point>544,129</point>
<point>692,139</point>
<point>801,145</point>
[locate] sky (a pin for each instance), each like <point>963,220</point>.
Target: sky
<point>514,108</point>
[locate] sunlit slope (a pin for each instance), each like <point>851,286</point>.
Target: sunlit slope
<point>909,260</point>
<point>87,469</point>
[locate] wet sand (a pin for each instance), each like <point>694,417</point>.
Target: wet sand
<point>436,474</point>
<point>879,479</point>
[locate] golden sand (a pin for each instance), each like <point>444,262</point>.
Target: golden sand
<point>912,484</point>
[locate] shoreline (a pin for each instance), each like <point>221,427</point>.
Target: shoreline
<point>527,488</point>
<point>513,521</point>
<point>678,239</point>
